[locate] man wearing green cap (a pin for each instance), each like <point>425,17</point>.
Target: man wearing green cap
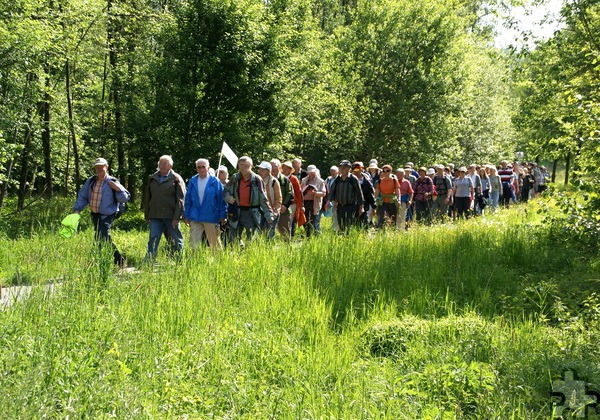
<point>102,193</point>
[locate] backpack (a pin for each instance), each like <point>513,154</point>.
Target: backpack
<point>121,207</point>
<point>441,188</point>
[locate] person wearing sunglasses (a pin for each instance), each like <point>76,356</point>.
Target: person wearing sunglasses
<point>387,194</point>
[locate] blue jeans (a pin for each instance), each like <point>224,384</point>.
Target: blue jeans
<point>269,228</point>
<point>495,198</point>
<point>157,228</point>
<point>102,225</point>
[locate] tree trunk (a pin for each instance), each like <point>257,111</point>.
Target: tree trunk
<point>567,167</point>
<point>24,158</point>
<point>45,115</point>
<point>23,185</point>
<point>72,130</point>
<point>554,168</point>
<point>103,119</point>
<point>114,32</point>
<point>4,186</point>
<point>131,178</point>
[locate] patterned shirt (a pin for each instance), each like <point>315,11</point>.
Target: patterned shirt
<point>96,196</point>
<point>421,187</point>
<point>347,191</point>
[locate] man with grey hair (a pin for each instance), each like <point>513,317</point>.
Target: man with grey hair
<point>245,190</point>
<point>163,206</point>
<point>205,209</point>
<point>298,171</point>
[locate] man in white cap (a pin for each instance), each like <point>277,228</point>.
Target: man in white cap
<point>103,193</point>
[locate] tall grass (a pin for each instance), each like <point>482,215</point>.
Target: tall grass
<point>472,319</point>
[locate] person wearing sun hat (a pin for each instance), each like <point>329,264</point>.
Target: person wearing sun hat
<point>313,190</point>
<point>373,170</point>
<point>103,193</point>
<point>287,198</point>
<point>406,197</point>
<point>348,197</point>
<point>328,206</point>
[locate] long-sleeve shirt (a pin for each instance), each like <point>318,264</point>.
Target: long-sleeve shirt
<point>347,191</point>
<point>109,199</point>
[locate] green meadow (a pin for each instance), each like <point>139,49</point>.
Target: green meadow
<point>474,319</point>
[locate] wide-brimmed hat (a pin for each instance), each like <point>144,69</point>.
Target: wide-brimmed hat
<point>312,169</point>
<point>288,164</point>
<point>373,164</point>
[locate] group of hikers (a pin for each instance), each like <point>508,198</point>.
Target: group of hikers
<point>281,197</point>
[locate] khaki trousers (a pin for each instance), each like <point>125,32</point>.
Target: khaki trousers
<point>213,234</point>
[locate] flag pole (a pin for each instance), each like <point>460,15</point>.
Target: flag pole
<point>219,165</point>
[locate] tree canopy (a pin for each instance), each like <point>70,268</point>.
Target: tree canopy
<point>321,80</point>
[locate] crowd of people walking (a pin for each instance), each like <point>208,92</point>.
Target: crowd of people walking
<point>279,198</point>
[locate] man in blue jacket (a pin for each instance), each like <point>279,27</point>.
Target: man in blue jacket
<point>205,208</point>
<point>103,193</point>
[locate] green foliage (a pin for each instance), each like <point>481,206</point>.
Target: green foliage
<point>559,109</point>
<point>578,225</point>
<point>211,82</point>
<point>321,80</point>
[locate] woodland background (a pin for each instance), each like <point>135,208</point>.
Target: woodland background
<point>323,80</point>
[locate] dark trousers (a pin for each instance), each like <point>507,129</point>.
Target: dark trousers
<point>506,194</point>
<point>347,217</point>
<point>422,210</point>
<point>246,222</point>
<point>102,225</point>
<point>462,205</point>
<point>309,226</point>
<point>386,208</point>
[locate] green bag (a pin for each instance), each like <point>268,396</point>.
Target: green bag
<point>69,225</point>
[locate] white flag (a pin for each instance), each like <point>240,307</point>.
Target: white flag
<point>228,153</point>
